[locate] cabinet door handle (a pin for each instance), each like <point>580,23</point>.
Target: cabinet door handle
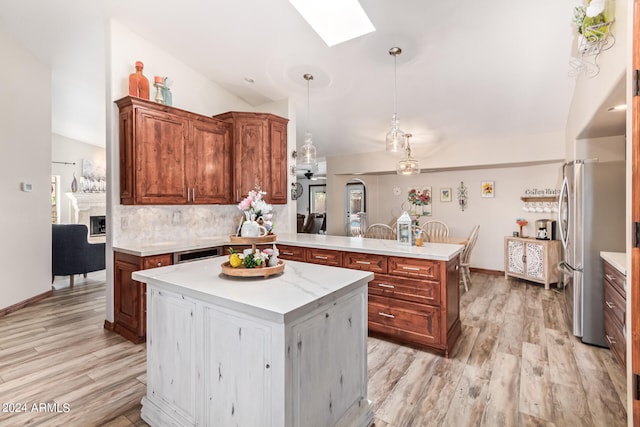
<point>159,264</point>
<point>384,285</point>
<point>611,306</point>
<point>411,268</point>
<point>320,257</point>
<point>610,278</point>
<point>193,194</point>
<point>390,316</point>
<point>188,194</point>
<point>611,340</point>
<point>363,262</point>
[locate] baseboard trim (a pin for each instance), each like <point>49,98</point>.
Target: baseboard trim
<point>109,326</point>
<point>22,304</point>
<point>487,271</point>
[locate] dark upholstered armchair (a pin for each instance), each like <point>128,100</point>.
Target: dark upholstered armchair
<point>73,254</point>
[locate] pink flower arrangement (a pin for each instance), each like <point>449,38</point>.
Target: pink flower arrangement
<point>254,207</point>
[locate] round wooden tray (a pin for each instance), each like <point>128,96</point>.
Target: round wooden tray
<point>269,238</point>
<point>252,272</point>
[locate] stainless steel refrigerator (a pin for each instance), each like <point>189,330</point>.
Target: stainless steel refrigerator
<point>591,218</point>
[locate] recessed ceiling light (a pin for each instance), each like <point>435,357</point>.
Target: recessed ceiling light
<point>249,80</point>
<point>335,21</point>
<point>621,107</point>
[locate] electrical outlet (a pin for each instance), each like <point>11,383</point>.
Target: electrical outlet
<point>123,224</point>
<point>176,218</point>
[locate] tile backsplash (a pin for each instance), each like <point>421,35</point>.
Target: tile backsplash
<point>156,224</point>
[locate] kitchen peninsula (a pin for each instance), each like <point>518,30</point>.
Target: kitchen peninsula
<point>414,297</point>
<point>285,351</point>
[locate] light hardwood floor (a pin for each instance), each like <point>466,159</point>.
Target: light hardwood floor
<point>515,365</point>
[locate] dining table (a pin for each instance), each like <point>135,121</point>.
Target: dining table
<point>456,240</point>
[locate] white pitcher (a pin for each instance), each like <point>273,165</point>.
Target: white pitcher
<point>250,228</point>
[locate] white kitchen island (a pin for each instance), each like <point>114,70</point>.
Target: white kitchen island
<point>290,350</point>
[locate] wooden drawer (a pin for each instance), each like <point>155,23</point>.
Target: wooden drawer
<point>324,256</point>
<point>615,337</point>
<point>368,262</point>
<point>420,291</point>
<point>614,303</point>
<point>292,253</point>
<point>614,277</point>
<point>416,268</point>
<point>157,261</point>
<point>415,323</point>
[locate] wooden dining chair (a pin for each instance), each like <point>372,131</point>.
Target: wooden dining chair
<point>435,230</point>
<point>380,231</point>
<point>466,255</point>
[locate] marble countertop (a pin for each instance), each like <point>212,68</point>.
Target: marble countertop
<point>618,260</point>
<point>434,251</point>
<point>280,298</point>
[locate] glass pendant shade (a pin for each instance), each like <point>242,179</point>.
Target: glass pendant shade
<point>408,165</point>
<point>307,155</point>
<point>395,136</point>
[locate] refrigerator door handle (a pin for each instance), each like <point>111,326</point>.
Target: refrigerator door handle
<point>564,233</point>
<point>568,269</point>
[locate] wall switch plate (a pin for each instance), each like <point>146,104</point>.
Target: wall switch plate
<point>26,186</point>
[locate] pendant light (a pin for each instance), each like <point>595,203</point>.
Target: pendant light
<point>395,136</point>
<point>307,156</point>
<point>409,165</point>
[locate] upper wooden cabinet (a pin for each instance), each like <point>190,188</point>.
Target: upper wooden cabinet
<point>171,156</point>
<point>259,154</point>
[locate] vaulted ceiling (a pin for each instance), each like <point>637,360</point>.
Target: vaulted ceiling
<point>469,69</point>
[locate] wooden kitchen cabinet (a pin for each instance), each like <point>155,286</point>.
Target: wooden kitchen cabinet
<point>411,301</point>
<point>417,303</point>
<point>171,156</point>
<point>532,259</point>
<point>130,302</point>
<point>292,253</point>
<point>615,311</point>
<point>259,154</point>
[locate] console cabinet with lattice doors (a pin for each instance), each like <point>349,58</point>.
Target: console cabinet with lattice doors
<point>532,259</point>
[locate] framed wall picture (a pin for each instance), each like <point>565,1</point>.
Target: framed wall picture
<point>420,200</point>
<point>445,194</point>
<point>488,189</point>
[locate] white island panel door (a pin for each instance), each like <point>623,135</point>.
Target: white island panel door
<point>330,360</point>
<point>171,381</point>
<point>237,370</point>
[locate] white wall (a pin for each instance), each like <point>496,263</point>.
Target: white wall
<point>591,92</point>
<point>496,216</point>
<point>69,150</point>
<point>25,156</point>
<point>193,92</point>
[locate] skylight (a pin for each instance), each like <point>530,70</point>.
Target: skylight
<point>335,21</point>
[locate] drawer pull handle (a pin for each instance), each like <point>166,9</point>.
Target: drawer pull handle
<point>411,268</point>
<point>390,316</point>
<point>384,285</point>
<point>363,262</point>
<point>611,340</point>
<point>320,257</point>
<point>610,277</point>
<point>287,253</point>
<point>611,306</point>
